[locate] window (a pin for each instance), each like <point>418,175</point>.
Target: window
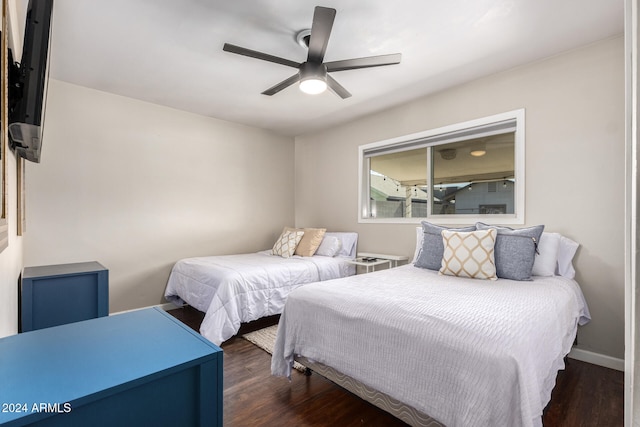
<point>457,174</point>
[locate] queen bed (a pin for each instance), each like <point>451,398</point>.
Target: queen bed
<point>235,289</point>
<point>437,349</point>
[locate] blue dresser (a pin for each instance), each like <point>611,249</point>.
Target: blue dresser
<point>52,295</point>
<point>141,368</point>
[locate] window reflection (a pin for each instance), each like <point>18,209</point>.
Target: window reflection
<point>469,177</point>
<point>398,184</point>
<point>474,177</point>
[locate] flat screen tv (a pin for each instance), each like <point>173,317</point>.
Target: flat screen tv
<point>28,83</point>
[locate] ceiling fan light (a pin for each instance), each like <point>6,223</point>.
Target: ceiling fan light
<point>313,78</point>
<point>313,85</point>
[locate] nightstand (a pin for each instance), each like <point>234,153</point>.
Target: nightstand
<point>369,265</point>
<point>393,259</point>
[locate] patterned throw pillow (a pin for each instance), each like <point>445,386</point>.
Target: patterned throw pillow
<point>469,254</point>
<point>310,241</point>
<point>286,244</point>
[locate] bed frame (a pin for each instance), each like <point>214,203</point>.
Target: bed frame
<point>396,408</point>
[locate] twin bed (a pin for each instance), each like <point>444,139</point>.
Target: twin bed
<point>235,289</point>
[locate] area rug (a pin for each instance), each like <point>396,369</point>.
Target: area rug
<point>265,339</point>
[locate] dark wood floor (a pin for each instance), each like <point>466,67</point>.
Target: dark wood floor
<point>585,395</point>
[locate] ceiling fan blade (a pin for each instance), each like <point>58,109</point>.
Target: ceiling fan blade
<point>337,88</point>
<point>282,85</point>
<point>369,61</point>
<point>259,55</point>
<point>320,31</point>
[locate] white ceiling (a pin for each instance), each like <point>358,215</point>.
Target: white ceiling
<point>169,52</point>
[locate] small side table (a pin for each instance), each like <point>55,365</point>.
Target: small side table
<point>393,259</point>
<point>370,265</point>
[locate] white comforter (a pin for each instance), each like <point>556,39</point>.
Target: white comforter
<point>466,352</point>
<point>232,289</point>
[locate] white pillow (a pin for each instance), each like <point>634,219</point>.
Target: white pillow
<point>469,254</point>
<point>419,240</point>
<point>286,244</point>
<point>330,246</point>
<point>546,259</point>
<point>348,242</point>
<point>566,253</point>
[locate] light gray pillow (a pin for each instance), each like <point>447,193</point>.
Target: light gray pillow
<point>430,256</point>
<point>515,250</point>
<point>330,246</point>
<point>348,242</point>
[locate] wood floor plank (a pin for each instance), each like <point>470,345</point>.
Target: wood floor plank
<point>585,395</point>
<point>254,397</point>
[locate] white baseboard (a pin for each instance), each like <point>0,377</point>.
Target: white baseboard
<point>597,359</point>
<point>166,306</point>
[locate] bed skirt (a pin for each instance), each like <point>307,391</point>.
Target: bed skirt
<point>396,408</point>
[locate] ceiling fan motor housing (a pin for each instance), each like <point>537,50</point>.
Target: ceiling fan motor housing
<point>312,70</point>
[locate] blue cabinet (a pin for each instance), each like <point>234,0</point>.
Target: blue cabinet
<point>53,295</point>
<point>141,368</point>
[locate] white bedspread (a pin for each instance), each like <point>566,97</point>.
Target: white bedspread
<point>232,289</point>
<point>466,352</point>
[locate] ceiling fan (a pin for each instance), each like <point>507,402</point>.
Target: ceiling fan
<point>312,74</point>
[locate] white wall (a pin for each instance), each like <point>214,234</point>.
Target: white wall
<point>137,186</point>
<point>575,150</point>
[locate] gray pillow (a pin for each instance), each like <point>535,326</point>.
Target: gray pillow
<point>430,256</point>
<point>515,250</point>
